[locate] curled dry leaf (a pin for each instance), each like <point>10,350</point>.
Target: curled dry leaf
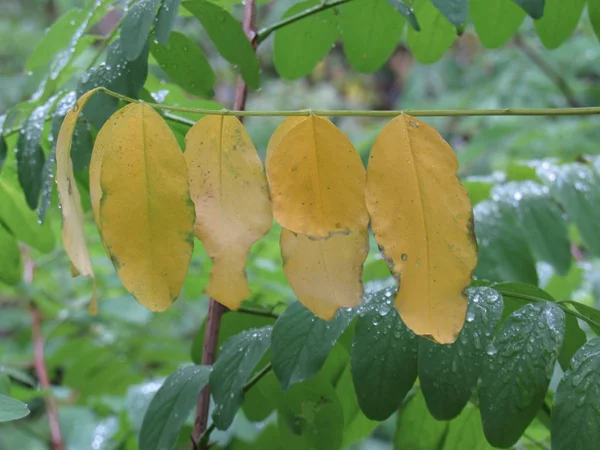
<point>233,208</point>
<point>143,204</point>
<point>423,221</point>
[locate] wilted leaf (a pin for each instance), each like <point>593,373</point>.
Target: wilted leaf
<point>422,219</point>
<point>230,192</point>
<point>559,21</point>
<point>145,212</point>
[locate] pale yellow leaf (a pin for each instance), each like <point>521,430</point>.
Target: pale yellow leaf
<point>423,221</point>
<point>231,195</point>
<point>325,274</point>
<point>316,178</point>
<point>146,213</point>
<point>73,236</point>
<point>283,128</point>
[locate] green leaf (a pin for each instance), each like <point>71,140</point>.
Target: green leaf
<point>11,409</point>
<point>229,38</point>
<point>136,28</point>
<point>416,428</point>
<point>503,251</point>
<point>591,313</point>
<point>3,151</point>
<point>466,431</point>
<point>236,362</point>
<point>11,266</point>
<point>577,187</point>
<point>384,357</point>
<point>171,406</point>
<point>517,371</point>
<point>185,63</point>
<point>593,7</point>
<point>575,418</point>
<point>262,399</point>
<point>575,337</point>
<point>371,30</point>
<point>311,416</point>
<point>456,11</point>
<point>406,11</point>
<point>534,8</point>
<point>435,37</point>
<point>299,46</point>
<point>448,373</point>
<point>559,21</point>
<point>302,341</point>
<point>165,20</point>
<point>541,221</point>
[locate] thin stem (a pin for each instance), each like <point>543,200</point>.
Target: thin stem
<point>258,312</point>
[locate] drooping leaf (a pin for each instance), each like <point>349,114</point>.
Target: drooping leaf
<point>233,209</point>
<point>185,63</point>
<point>449,373</point>
<point>435,37</point>
<point>384,357</point>
<point>11,266</point>
<point>145,213</point>
<point>575,419</point>
<point>229,38</point>
<point>171,406</point>
<point>495,21</point>
<point>325,274</point>
<point>371,31</point>
<point>310,194</point>
<point>165,19</point>
<point>298,47</point>
<point>407,12</point>
<point>456,11</point>
<point>236,362</point>
<point>73,237</point>
<point>426,232</point>
<point>559,21</point>
<point>12,409</point>
<point>535,8</point>
<point>302,342</point>
<point>136,28</point>
<point>517,371</point>
<point>416,428</point>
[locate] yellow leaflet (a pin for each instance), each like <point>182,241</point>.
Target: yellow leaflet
<point>423,221</point>
<point>73,236</point>
<point>284,128</point>
<point>325,274</point>
<point>233,209</point>
<point>145,209</point>
<point>316,178</point>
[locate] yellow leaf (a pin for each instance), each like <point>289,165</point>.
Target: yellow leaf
<point>73,236</point>
<point>423,221</point>
<point>317,179</point>
<point>146,213</point>
<point>325,274</point>
<point>233,209</point>
<point>284,128</point>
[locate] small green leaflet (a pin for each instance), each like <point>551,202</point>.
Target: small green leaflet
<point>559,21</point>
<point>11,409</point>
<point>535,8</point>
<point>171,406</point>
<point>384,356</point>
<point>229,38</point>
<point>11,266</point>
<point>517,371</point>
<point>496,21</point>
<point>456,11</point>
<point>302,342</point>
<point>435,37</point>
<point>406,11</point>
<point>575,419</point>
<point>136,28</point>
<point>165,19</point>
<point>236,362</point>
<point>185,63</point>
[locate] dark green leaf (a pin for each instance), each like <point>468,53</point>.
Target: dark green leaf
<point>435,37</point>
<point>593,7</point>
<point>11,267</point>
<point>575,418</point>
<point>165,19</point>
<point>185,63</point>
<point>535,8</point>
<point>311,416</point>
<point>302,341</point>
<point>541,221</point>
<point>3,150</point>
<point>11,409</point>
<point>406,11</point>
<point>229,38</point>
<point>136,28</point>
<point>384,357</point>
<point>171,406</point>
<point>503,251</point>
<point>416,428</point>
<point>559,21</point>
<point>371,30</point>
<point>591,313</point>
<point>236,362</point>
<point>517,371</point>
<point>299,46</point>
<point>449,373</point>
<point>456,11</point>
<point>575,337</point>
